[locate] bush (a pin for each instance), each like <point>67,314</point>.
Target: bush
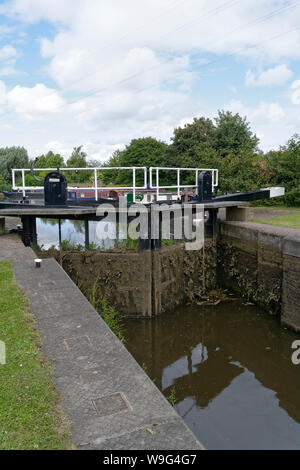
<point>4,185</point>
<point>292,198</point>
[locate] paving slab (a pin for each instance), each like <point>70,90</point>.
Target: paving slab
<point>144,439</point>
<point>12,249</point>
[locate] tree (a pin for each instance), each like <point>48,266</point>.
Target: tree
<point>192,144</point>
<point>50,160</point>
<point>242,172</point>
<point>146,151</point>
<point>111,176</point>
<point>284,169</point>
<point>233,134</point>
<point>12,157</point>
<point>78,160</point>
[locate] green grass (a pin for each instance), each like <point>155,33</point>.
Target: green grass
<point>30,415</point>
<point>275,208</point>
<point>288,221</point>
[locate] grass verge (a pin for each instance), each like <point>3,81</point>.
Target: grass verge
<point>288,221</point>
<point>30,415</point>
<point>274,208</point>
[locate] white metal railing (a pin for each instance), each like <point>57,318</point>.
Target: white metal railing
<point>95,187</point>
<point>179,186</point>
<point>134,187</point>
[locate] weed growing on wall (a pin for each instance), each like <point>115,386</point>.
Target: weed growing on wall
<point>107,312</point>
<point>172,397</point>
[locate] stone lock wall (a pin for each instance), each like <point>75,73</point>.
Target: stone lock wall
<point>262,263</point>
<point>259,262</point>
<point>144,283</point>
<point>291,282</point>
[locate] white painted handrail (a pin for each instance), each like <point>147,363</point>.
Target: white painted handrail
<point>134,187</point>
<point>95,187</point>
<point>179,186</point>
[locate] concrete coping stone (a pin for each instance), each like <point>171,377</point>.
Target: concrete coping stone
<point>282,239</point>
<point>291,245</point>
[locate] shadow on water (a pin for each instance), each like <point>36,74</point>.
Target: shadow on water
<point>236,386</point>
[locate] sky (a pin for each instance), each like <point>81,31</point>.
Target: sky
<point>99,73</point>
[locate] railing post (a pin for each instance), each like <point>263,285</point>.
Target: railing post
<point>23,183</point>
<point>133,185</point>
<point>150,177</point>
<point>13,179</point>
<point>96,184</point>
<point>178,183</point>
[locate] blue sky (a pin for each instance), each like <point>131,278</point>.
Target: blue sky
<point>99,73</point>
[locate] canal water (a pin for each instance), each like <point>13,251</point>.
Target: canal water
<point>72,231</point>
<point>230,369</point>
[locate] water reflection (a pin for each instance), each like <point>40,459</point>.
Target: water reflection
<point>72,231</point>
<point>236,386</point>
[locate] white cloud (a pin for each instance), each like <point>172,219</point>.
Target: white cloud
<point>130,69</point>
<point>272,124</point>
<point>35,10</point>
<point>8,57</point>
<point>34,102</point>
<point>7,52</point>
<point>6,30</point>
<point>270,112</point>
<point>209,25</point>
<point>295,87</point>
<point>274,76</point>
<point>2,93</point>
<point>94,151</point>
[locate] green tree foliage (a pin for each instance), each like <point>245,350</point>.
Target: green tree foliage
<point>78,160</point>
<point>241,173</point>
<point>233,134</point>
<point>12,157</point>
<point>111,176</point>
<point>192,144</point>
<point>4,185</point>
<point>283,168</point>
<point>50,160</point>
<point>226,143</point>
<point>146,152</point>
